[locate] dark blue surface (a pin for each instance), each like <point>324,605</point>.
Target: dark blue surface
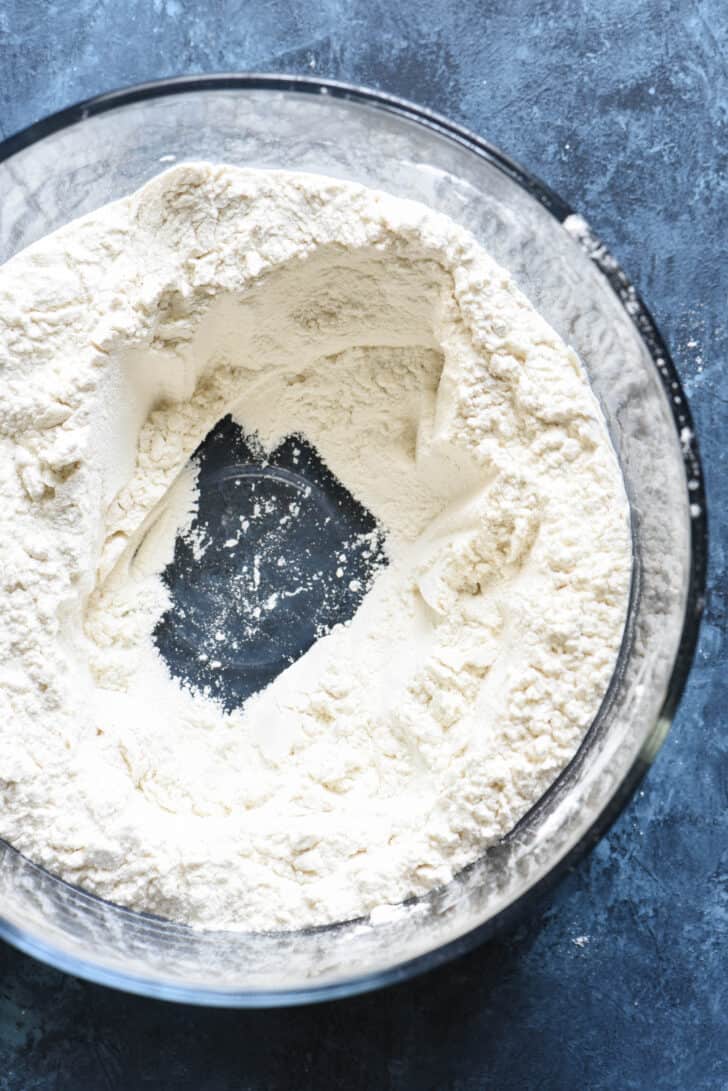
<point>622,983</point>
<point>285,505</point>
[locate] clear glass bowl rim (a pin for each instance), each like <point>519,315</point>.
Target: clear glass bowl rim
<point>670,380</point>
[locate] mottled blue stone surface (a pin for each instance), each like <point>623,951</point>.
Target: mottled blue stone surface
<point>622,982</point>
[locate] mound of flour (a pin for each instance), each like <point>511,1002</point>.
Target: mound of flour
<point>402,743</point>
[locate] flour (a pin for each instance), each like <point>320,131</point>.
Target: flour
<point>402,743</point>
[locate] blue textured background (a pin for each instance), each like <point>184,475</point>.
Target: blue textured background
<point>622,982</point>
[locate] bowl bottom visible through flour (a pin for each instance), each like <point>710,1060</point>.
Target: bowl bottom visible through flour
<point>318,552</point>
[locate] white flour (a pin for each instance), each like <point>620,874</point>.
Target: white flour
<point>399,745</point>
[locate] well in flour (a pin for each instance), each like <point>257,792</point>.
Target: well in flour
<point>288,554</point>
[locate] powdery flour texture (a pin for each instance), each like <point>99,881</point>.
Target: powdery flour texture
<point>403,742</point>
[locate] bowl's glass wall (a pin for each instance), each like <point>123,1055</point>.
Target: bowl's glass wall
<point>103,157</point>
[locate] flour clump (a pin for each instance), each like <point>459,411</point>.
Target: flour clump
<point>406,739</point>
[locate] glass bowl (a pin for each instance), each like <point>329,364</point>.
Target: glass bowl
<point>81,158</point>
